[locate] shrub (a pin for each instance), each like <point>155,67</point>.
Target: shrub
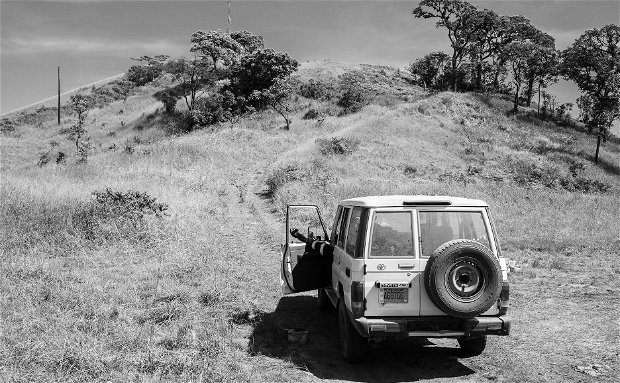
<point>317,90</point>
<point>169,99</point>
<point>353,92</point>
<point>7,125</point>
<point>281,176</point>
<point>311,114</point>
<point>141,75</point>
<point>337,145</point>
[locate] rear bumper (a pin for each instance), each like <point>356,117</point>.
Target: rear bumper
<point>433,327</point>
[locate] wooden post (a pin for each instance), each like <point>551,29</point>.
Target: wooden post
<point>598,145</point>
<point>58,95</point>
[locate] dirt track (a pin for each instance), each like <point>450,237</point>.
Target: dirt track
<point>554,337</point>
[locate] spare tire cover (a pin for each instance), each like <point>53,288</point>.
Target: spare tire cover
<point>463,278</point>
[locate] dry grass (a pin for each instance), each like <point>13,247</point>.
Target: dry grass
<point>191,301</point>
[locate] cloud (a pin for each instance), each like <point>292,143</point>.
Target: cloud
<point>78,46</point>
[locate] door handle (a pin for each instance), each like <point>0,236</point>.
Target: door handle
<point>406,266</point>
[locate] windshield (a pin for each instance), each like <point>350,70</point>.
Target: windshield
<point>439,227</point>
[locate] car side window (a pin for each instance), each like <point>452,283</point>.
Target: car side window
<point>354,224</point>
<point>344,218</point>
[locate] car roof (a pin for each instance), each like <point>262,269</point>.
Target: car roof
<point>412,200</point>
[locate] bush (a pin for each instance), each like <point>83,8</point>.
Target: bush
<point>169,99</point>
<point>311,114</point>
<point>141,75</point>
<point>317,90</point>
<point>7,126</point>
<point>114,213</point>
<point>337,145</point>
<point>281,176</point>
<point>353,92</point>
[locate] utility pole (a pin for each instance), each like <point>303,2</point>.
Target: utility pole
<point>229,23</point>
<point>58,95</point>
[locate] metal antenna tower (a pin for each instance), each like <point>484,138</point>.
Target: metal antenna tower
<point>229,22</point>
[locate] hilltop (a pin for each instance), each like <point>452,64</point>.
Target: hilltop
<point>97,289</point>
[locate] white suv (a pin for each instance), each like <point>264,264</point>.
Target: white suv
<point>417,266</point>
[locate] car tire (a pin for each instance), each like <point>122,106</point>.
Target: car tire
<point>325,304</point>
<point>473,346</point>
<point>353,344</point>
<point>463,278</point>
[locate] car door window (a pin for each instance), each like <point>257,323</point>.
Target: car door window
<point>392,235</point>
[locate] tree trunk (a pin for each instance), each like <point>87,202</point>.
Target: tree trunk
<point>516,106</point>
<point>454,73</point>
<point>479,76</point>
<point>530,91</point>
<point>598,145</point>
<point>538,113</point>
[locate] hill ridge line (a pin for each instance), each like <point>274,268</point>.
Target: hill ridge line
<point>63,94</point>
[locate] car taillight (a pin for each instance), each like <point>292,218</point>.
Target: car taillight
<point>357,298</point>
<point>503,298</point>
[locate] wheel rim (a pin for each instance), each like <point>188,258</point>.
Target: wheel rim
<point>466,279</point>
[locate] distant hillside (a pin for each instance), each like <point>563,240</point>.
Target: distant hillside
<point>101,282</point>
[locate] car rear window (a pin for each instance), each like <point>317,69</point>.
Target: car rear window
<point>392,235</point>
<point>439,227</point>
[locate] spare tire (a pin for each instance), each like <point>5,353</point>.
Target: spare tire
<point>463,278</point>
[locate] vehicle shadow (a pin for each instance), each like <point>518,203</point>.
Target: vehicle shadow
<point>405,360</point>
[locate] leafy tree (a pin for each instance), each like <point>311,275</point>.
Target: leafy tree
<point>259,80</point>
<point>248,41</point>
<point>518,54</point>
<point>593,63</point>
<point>456,16</point>
<point>530,63</point>
<point>431,69</point>
<point>81,104</point>
<point>353,91</point>
<point>275,96</point>
<point>152,68</point>
<point>511,29</point>
<point>488,32</point>
<point>216,48</point>
<point>192,75</point>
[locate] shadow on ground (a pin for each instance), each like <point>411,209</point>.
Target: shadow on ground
<point>406,360</point>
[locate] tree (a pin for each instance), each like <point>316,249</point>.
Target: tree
<point>518,55</point>
<point>456,17</point>
<point>486,42</point>
<point>259,80</point>
<point>192,75</point>
<point>593,63</point>
<point>248,41</point>
<point>216,47</point>
<point>81,104</point>
<point>510,29</point>
<point>152,68</point>
<point>431,69</point>
<point>543,65</point>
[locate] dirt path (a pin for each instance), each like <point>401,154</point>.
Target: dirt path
<point>541,348</point>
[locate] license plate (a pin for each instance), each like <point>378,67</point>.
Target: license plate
<point>393,295</point>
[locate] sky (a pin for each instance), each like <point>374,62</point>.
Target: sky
<point>94,40</point>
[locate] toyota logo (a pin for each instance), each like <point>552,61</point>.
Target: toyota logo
<point>381,266</point>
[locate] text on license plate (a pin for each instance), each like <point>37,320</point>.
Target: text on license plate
<point>393,295</point>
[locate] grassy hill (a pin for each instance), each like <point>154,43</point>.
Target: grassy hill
<point>100,288</point>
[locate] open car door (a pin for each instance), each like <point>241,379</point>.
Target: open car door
<point>302,268</point>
